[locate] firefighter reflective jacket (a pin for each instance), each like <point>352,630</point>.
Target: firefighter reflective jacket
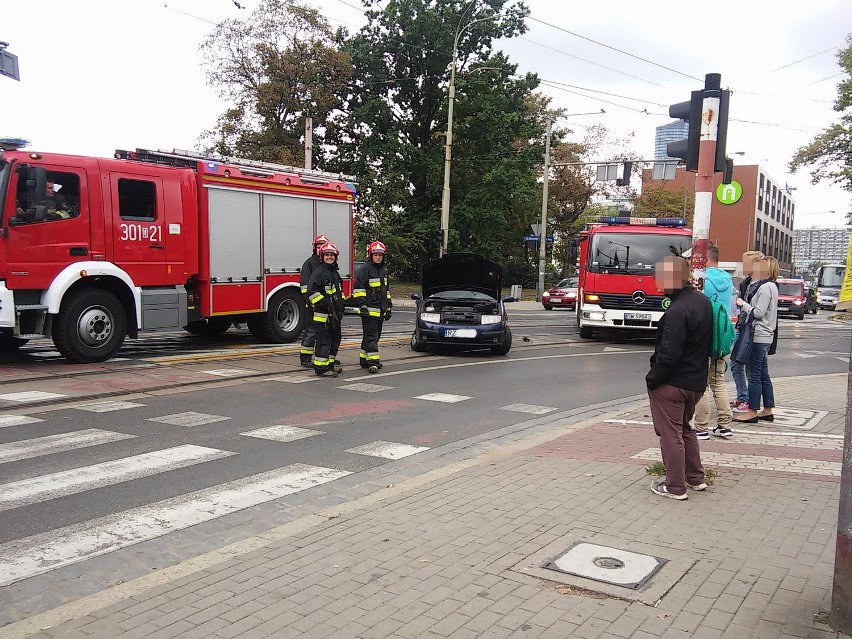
<point>325,293</point>
<point>371,289</point>
<point>311,264</point>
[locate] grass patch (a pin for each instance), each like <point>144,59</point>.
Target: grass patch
<point>657,469</point>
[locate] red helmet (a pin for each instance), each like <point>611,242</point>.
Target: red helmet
<point>376,247</point>
<point>320,239</point>
<point>328,247</point>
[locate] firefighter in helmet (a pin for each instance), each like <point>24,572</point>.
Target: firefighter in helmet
<point>372,295</point>
<point>325,293</point>
<point>311,264</point>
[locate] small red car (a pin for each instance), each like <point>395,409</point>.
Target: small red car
<point>563,295</point>
<point>791,298</point>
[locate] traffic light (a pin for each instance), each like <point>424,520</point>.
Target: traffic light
<point>625,180</point>
<point>687,149</point>
<point>728,172</point>
<point>722,133</point>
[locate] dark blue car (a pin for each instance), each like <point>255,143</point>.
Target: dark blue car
<point>460,305</point>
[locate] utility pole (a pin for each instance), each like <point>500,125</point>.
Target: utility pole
<point>542,250</point>
<point>309,143</point>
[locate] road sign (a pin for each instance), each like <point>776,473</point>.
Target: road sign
<point>536,238</point>
<point>729,193</point>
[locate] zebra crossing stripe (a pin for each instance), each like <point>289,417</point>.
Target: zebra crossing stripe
<point>77,480</point>
<point>49,444</point>
<point>387,450</point>
<point>43,552</point>
<point>17,420</point>
<point>283,433</point>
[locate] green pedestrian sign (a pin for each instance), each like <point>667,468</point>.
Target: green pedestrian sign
<point>729,193</point>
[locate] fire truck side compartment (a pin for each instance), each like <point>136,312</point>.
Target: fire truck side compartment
<point>288,228</point>
<point>164,307</point>
<point>335,221</point>
<point>234,226</point>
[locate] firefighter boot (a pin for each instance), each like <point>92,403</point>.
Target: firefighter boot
<point>305,361</point>
<point>373,369</point>
<point>329,373</point>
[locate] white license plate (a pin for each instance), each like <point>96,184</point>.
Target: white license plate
<point>644,317</point>
<point>460,332</point>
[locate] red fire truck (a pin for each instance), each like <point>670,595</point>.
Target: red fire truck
<point>93,249</point>
<point>617,258</point>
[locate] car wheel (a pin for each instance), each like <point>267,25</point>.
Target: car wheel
<point>800,316</point>
<point>547,308</point>
<point>505,344</point>
<point>418,345</point>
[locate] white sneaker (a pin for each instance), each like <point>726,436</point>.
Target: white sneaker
<point>660,488</point>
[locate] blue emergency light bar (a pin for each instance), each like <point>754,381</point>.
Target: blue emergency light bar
<point>643,221</point>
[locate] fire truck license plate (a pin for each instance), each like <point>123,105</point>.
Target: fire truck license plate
<point>644,317</point>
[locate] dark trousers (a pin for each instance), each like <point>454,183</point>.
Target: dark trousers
<point>671,410</point>
<point>309,339</point>
<point>372,327</point>
<point>327,343</point>
<point>759,382</point>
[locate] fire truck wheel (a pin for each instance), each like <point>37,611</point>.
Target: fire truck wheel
<point>586,332</point>
<point>283,320</point>
<point>9,342</point>
<point>90,327</point>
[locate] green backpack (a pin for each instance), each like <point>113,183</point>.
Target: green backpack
<point>723,331</point>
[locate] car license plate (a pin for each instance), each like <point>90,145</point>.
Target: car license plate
<point>644,317</point>
<point>460,332</point>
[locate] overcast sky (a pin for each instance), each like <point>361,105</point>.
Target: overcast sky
<point>97,75</point>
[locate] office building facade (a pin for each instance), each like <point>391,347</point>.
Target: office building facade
<point>671,132</point>
<point>828,246</point>
<point>761,220</point>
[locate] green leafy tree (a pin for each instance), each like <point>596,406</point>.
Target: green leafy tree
<point>658,201</point>
<point>391,132</point>
<point>278,67</point>
<point>574,187</point>
<point>829,154</point>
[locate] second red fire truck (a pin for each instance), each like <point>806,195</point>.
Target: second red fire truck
<point>616,271</point>
<point>94,250</point>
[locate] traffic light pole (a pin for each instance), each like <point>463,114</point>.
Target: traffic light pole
<point>704,176</point>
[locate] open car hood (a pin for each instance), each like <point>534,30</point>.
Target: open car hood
<point>462,272</point>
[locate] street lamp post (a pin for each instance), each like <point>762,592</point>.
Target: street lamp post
<point>448,146</point>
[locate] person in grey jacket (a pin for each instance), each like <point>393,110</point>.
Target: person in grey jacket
<point>763,304</point>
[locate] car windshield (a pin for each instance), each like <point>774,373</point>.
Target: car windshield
<point>789,289</point>
<point>832,276</point>
<point>634,253</point>
<point>571,282</point>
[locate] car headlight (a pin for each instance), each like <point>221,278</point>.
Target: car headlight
<point>546,294</point>
<point>432,318</point>
<point>491,319</point>
<point>797,302</point>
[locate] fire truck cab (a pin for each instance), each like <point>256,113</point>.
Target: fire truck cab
<point>93,250</point>
<point>616,271</point>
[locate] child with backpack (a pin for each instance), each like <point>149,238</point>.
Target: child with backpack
<point>719,288</point>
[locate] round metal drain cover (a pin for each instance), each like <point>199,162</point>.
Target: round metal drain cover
<point>610,563</point>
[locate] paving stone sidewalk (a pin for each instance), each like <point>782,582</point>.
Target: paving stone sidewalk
<point>458,552</point>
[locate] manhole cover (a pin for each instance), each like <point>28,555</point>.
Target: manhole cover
<point>609,565</point>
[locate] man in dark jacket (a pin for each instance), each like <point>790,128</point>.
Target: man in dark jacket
<point>325,292</point>
<point>678,377</point>
<point>311,264</point>
<point>372,295</point>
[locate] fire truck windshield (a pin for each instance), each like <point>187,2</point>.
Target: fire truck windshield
<point>633,253</point>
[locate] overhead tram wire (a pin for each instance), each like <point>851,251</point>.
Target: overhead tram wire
<point>622,51</point>
<point>823,80</point>
<point>813,55</point>
<point>595,98</point>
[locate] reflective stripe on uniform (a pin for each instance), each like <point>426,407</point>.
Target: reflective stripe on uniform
<point>320,317</point>
<point>375,281</point>
<point>306,351</point>
<point>330,290</point>
<point>304,289</point>
<point>320,362</point>
<point>374,312</point>
<point>359,292</point>
<point>316,297</point>
<point>372,357</point>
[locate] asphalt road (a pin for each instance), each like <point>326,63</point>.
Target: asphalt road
<point>166,477</point>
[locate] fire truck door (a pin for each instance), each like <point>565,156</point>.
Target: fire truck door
<point>139,227</point>
<point>36,250</point>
